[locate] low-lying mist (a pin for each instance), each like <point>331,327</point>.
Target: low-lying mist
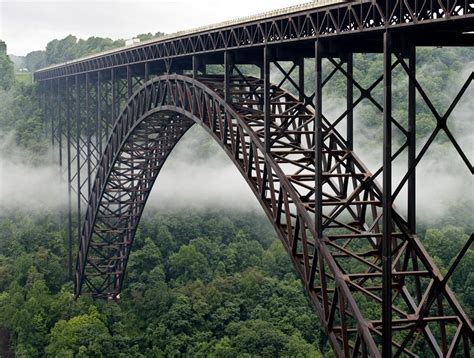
<point>27,187</point>
<point>198,174</point>
<point>443,178</point>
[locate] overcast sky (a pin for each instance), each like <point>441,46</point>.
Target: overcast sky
<point>28,25</point>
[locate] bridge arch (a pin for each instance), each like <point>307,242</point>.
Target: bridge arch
<point>152,123</point>
<point>281,174</point>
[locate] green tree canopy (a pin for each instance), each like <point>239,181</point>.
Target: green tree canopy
<point>81,336</point>
<point>6,68</point>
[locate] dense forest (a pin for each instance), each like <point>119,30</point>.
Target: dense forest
<point>207,281</point>
<point>69,48</point>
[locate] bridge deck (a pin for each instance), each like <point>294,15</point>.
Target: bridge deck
<point>298,23</point>
<point>180,34</point>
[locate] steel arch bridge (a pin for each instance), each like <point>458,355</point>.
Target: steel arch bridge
<point>116,116</point>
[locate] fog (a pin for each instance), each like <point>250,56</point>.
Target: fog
<point>26,187</point>
<point>212,181</point>
<point>209,179</point>
<point>443,179</point>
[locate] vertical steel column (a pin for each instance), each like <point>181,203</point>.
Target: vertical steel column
<point>350,101</point>
<point>69,192</point>
<point>412,140</point>
<point>56,133</point>
<point>113,105</point>
<point>194,105</point>
<point>42,104</point>
<point>197,65</point>
<point>59,106</point>
<point>98,126</point>
<point>129,81</point>
<point>228,63</point>
<point>147,71</point>
<point>120,89</point>
<point>88,135</point>
<point>266,98</point>
<point>49,104</point>
<point>53,106</point>
<point>387,199</point>
<point>301,93</point>
<point>195,75</point>
<point>78,152</point>
<point>99,112</point>
<point>318,139</point>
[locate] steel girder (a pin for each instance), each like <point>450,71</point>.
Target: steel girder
<point>297,176</point>
<point>347,18</point>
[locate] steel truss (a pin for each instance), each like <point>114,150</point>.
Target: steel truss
<point>330,217</point>
<point>349,17</point>
<point>115,119</point>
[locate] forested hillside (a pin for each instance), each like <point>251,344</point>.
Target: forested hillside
<point>201,281</point>
<point>70,47</point>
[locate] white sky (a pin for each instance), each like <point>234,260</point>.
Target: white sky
<point>28,25</point>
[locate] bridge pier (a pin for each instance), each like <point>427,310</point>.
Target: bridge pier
<point>387,244</point>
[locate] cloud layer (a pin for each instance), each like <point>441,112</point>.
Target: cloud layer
<point>210,181</point>
<point>28,188</point>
